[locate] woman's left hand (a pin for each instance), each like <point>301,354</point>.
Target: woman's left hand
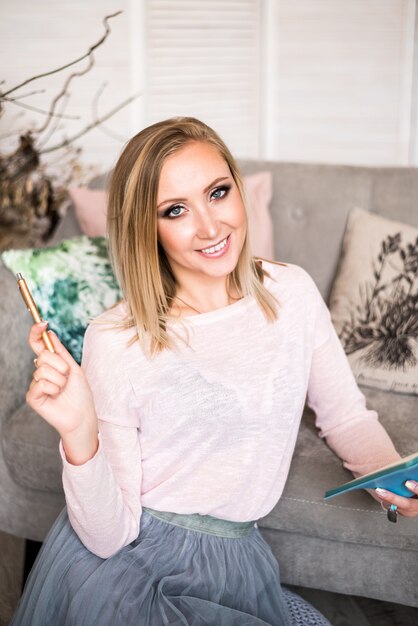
<point>408,507</point>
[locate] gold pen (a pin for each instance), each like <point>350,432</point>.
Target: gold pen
<point>33,309</point>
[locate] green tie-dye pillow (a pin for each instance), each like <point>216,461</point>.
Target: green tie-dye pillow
<point>71,283</point>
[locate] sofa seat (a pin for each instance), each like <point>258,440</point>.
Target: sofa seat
<point>344,545</point>
<point>349,533</point>
<point>30,447</point>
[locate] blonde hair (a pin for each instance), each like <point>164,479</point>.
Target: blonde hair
<point>138,260</point>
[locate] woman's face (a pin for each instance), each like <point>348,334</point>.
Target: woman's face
<point>201,219</point>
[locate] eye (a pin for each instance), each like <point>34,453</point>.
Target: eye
<point>171,212</point>
<point>220,192</point>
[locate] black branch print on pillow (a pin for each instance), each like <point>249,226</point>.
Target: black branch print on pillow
<point>386,320</point>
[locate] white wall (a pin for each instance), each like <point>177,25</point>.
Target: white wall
<point>298,80</point>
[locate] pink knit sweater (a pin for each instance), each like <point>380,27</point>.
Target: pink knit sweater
<point>211,428</point>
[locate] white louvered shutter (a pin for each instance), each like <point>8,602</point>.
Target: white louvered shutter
<point>203,61</point>
<point>339,81</point>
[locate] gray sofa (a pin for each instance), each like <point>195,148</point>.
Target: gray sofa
<point>344,545</point>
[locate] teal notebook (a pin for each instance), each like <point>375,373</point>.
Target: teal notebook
<point>391,477</point>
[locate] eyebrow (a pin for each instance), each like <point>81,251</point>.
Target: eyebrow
<point>206,189</point>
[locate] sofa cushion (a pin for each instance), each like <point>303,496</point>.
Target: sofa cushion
<point>374,301</point>
<point>71,283</point>
<point>30,447</point>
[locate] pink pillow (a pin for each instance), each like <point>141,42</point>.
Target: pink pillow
<point>259,188</point>
<point>91,207</point>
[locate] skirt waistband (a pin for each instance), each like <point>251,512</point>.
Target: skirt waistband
<point>204,523</point>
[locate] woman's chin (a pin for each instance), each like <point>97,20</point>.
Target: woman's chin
<point>218,267</point>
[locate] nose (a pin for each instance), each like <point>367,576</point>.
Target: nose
<point>207,224</point>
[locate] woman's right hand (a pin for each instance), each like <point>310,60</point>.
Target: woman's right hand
<point>60,393</point>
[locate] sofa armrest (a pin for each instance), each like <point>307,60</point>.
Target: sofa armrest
<point>16,356</point>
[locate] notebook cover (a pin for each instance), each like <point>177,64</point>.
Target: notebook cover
<point>392,478</point>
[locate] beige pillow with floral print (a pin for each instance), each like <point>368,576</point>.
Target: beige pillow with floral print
<point>374,301</point>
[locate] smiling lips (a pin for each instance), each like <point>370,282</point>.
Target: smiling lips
<point>216,250</point>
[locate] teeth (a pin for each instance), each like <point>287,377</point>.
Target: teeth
<point>215,248</point>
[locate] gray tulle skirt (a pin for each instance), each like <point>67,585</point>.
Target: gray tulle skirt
<point>189,570</point>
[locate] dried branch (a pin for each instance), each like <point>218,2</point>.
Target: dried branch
<point>26,95</point>
<point>95,110</point>
<point>64,90</point>
<point>13,133</point>
<point>55,126</point>
<point>29,107</point>
<point>31,193</point>
<point>85,130</point>
<point>59,69</point>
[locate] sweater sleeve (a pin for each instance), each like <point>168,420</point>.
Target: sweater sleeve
<point>103,494</point>
<point>351,430</point>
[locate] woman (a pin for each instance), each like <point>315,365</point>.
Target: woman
<point>178,430</point>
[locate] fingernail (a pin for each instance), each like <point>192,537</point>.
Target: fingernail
<point>381,492</point>
<point>40,324</point>
<point>411,484</point>
<point>35,361</point>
